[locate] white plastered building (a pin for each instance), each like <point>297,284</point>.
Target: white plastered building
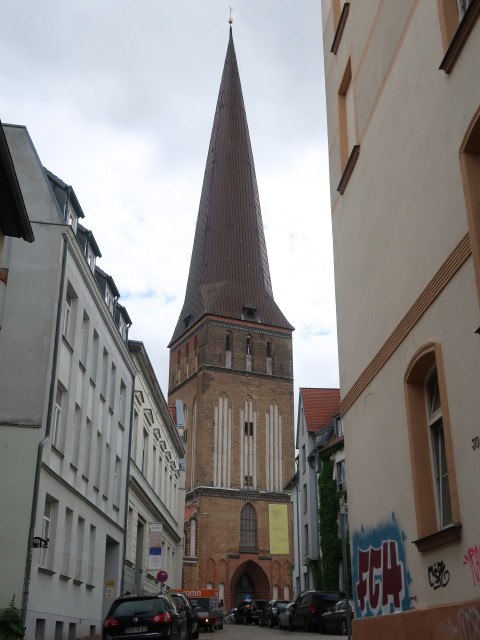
<point>66,388</point>
<point>156,484</point>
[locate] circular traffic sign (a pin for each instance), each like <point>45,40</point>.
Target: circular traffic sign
<point>162,576</point>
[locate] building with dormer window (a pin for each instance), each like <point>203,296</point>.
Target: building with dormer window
<point>66,384</point>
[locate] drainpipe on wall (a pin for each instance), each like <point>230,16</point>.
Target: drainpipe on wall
<point>51,396</point>
<point>127,488</point>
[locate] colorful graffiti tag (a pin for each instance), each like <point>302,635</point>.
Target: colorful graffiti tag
<point>380,576</point>
<point>472,559</point>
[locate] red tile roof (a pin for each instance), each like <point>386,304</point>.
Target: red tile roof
<point>319,406</point>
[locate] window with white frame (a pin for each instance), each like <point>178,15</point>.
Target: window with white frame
<point>47,529</point>
<point>72,218</point>
<point>91,260</point>
<point>109,299</point>
<point>338,427</point>
<point>340,475</point>
<point>435,423</point>
<point>67,541</point>
<point>67,310</point>
<point>58,418</point>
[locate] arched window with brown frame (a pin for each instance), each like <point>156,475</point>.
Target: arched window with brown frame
<point>431,450</point>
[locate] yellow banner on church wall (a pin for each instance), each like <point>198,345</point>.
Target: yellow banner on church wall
<point>278,525</point>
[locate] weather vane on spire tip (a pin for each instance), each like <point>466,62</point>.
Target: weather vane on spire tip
<point>230,20</point>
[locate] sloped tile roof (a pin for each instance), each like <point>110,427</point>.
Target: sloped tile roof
<point>319,406</point>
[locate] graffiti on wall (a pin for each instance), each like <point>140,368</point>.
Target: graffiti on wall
<point>472,559</point>
<point>465,627</point>
<point>475,443</point>
<point>438,575</point>
<point>380,576</point>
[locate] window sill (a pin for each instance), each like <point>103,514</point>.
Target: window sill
<point>46,571</point>
<point>340,28</point>
<point>66,342</point>
<point>461,36</point>
<point>64,577</point>
<point>59,453</point>
<point>76,581</point>
<point>443,536</point>
<point>90,586</point>
<point>248,549</point>
<point>350,166</point>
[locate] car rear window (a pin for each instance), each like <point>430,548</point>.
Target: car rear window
<point>177,599</point>
<point>139,607</point>
<point>281,605</point>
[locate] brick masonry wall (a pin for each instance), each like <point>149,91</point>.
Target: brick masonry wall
<point>220,559</point>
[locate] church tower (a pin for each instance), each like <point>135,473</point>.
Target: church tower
<point>231,373</point>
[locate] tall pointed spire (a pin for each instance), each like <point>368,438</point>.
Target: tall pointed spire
<point>229,274</point>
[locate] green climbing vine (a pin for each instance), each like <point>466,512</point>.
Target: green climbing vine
<point>11,623</point>
<point>330,543</point>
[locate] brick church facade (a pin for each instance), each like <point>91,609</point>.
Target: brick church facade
<point>231,371</point>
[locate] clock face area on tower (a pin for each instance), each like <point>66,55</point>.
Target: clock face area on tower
<point>231,375</point>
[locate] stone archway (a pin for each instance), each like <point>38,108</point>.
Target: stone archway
<point>249,579</point>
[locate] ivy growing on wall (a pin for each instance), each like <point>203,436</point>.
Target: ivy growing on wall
<point>330,543</point>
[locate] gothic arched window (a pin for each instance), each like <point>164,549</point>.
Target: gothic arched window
<point>248,526</point>
<point>248,353</point>
<point>228,349</point>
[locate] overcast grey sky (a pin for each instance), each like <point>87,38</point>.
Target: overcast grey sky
<point>119,98</point>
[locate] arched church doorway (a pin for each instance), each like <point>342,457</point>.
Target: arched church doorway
<point>249,581</point>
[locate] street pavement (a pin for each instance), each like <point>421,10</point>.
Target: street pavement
<point>252,632</point>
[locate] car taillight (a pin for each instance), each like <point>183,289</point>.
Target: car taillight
<point>110,622</point>
<point>313,608</point>
<point>165,618</point>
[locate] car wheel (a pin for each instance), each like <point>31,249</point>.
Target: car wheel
<point>245,620</point>
<point>306,625</point>
<point>290,624</point>
<point>196,634</point>
<point>270,623</point>
<point>343,628</point>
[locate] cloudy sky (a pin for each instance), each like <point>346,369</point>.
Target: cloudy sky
<point>119,98</point>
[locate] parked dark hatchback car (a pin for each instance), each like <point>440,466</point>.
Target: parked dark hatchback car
<point>249,611</point>
<point>145,617</point>
<point>309,607</point>
<point>271,611</point>
<point>335,620</point>
<point>182,602</point>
